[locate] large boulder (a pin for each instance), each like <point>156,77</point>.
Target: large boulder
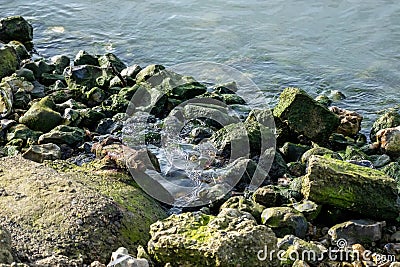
<point>305,116</point>
<point>232,238</point>
<point>389,119</point>
<point>70,212</point>
<point>351,187</point>
<point>41,116</point>
<point>8,60</point>
<point>15,28</point>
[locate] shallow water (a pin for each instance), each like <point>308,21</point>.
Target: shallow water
<point>351,46</point>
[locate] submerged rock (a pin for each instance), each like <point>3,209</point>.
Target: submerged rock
<point>41,116</point>
<point>72,213</point>
<point>305,116</point>
<point>347,186</point>
<point>231,238</point>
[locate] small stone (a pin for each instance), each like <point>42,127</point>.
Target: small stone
<point>388,140</point>
<point>389,119</point>
<point>350,121</point>
<point>285,221</point>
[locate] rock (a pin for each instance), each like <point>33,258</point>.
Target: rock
<point>90,117</point>
<point>20,131</point>
<point>63,134</point>
<point>389,119</point>
<point>39,153</point>
<point>350,121</point>
<point>83,77</point>
<point>95,96</point>
<point>320,151</point>
<point>6,99</point>
<point>15,28</point>
<point>109,126</point>
<point>196,239</point>
<point>60,62</point>
<point>8,60</point>
<point>324,100</point>
<point>246,205</point>
<point>296,169</point>
<point>5,247</point>
<point>83,58</point>
<point>71,212</point>
<point>20,50</point>
<point>41,116</point>
<point>336,95</point>
<point>71,117</point>
<point>285,221</point>
<point>379,161</point>
<point>233,99</point>
<point>109,59</point>
<point>388,141</point>
<point>293,152</point>
<point>121,258</point>
<point>355,154</point>
<point>357,231</point>
<point>129,76</point>
<point>49,79</point>
<point>148,72</point>
<point>308,208</point>
<point>347,186</point>
<point>226,88</point>
<point>300,263</point>
<point>305,116</point>
<point>27,74</point>
<point>21,99</point>
<point>393,170</point>
<point>278,168</point>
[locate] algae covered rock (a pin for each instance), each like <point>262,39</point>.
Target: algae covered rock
<point>41,116</point>
<point>285,221</point>
<point>39,153</point>
<point>8,60</point>
<point>232,238</point>
<point>350,187</point>
<point>389,119</point>
<point>63,134</point>
<point>305,116</point>
<point>320,151</point>
<point>76,212</point>
<point>15,28</point>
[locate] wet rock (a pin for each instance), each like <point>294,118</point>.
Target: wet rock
<point>5,247</point>
<point>243,204</point>
<point>320,151</point>
<point>357,231</point>
<point>278,167</point>
<point>83,58</point>
<point>388,141</point>
<point>41,116</point>
<point>15,28</point>
<point>285,221</point>
<point>63,134</point>
<point>54,199</point>
<point>38,90</point>
<point>350,121</point>
<point>48,79</point>
<point>108,126</point>
<point>129,76</point>
<point>121,258</point>
<point>196,239</point>
<point>389,119</point>
<point>232,99</point>
<point>90,117</point>
<point>226,88</point>
<point>39,153</point>
<point>305,116</point>
<point>71,117</point>
<point>347,186</point>
<point>8,60</point>
<point>82,77</point>
<point>293,152</point>
<point>336,95</point>
<point>60,62</point>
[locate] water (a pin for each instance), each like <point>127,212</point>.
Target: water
<point>351,46</point>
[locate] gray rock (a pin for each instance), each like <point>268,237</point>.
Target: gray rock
<point>320,151</point>
<point>82,77</point>
<point>379,161</point>
<point>60,62</point>
<point>129,76</point>
<point>121,258</point>
<point>39,153</point>
<point>357,231</point>
<point>27,74</point>
<point>293,152</point>
<point>109,59</point>
<point>285,221</point>
<point>83,58</point>
<point>196,239</point>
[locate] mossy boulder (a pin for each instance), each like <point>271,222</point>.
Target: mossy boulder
<point>15,28</point>
<point>22,132</point>
<point>351,187</point>
<point>148,72</point>
<point>39,153</point>
<point>389,119</point>
<point>305,116</point>
<point>77,212</point>
<point>63,134</point>
<point>244,204</point>
<point>232,238</point>
<point>41,116</point>
<point>285,221</point>
<point>8,60</point>
<point>320,151</point>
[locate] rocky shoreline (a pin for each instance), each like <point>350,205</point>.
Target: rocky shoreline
<point>67,197</point>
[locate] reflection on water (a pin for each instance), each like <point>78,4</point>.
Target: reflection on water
<point>347,45</point>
